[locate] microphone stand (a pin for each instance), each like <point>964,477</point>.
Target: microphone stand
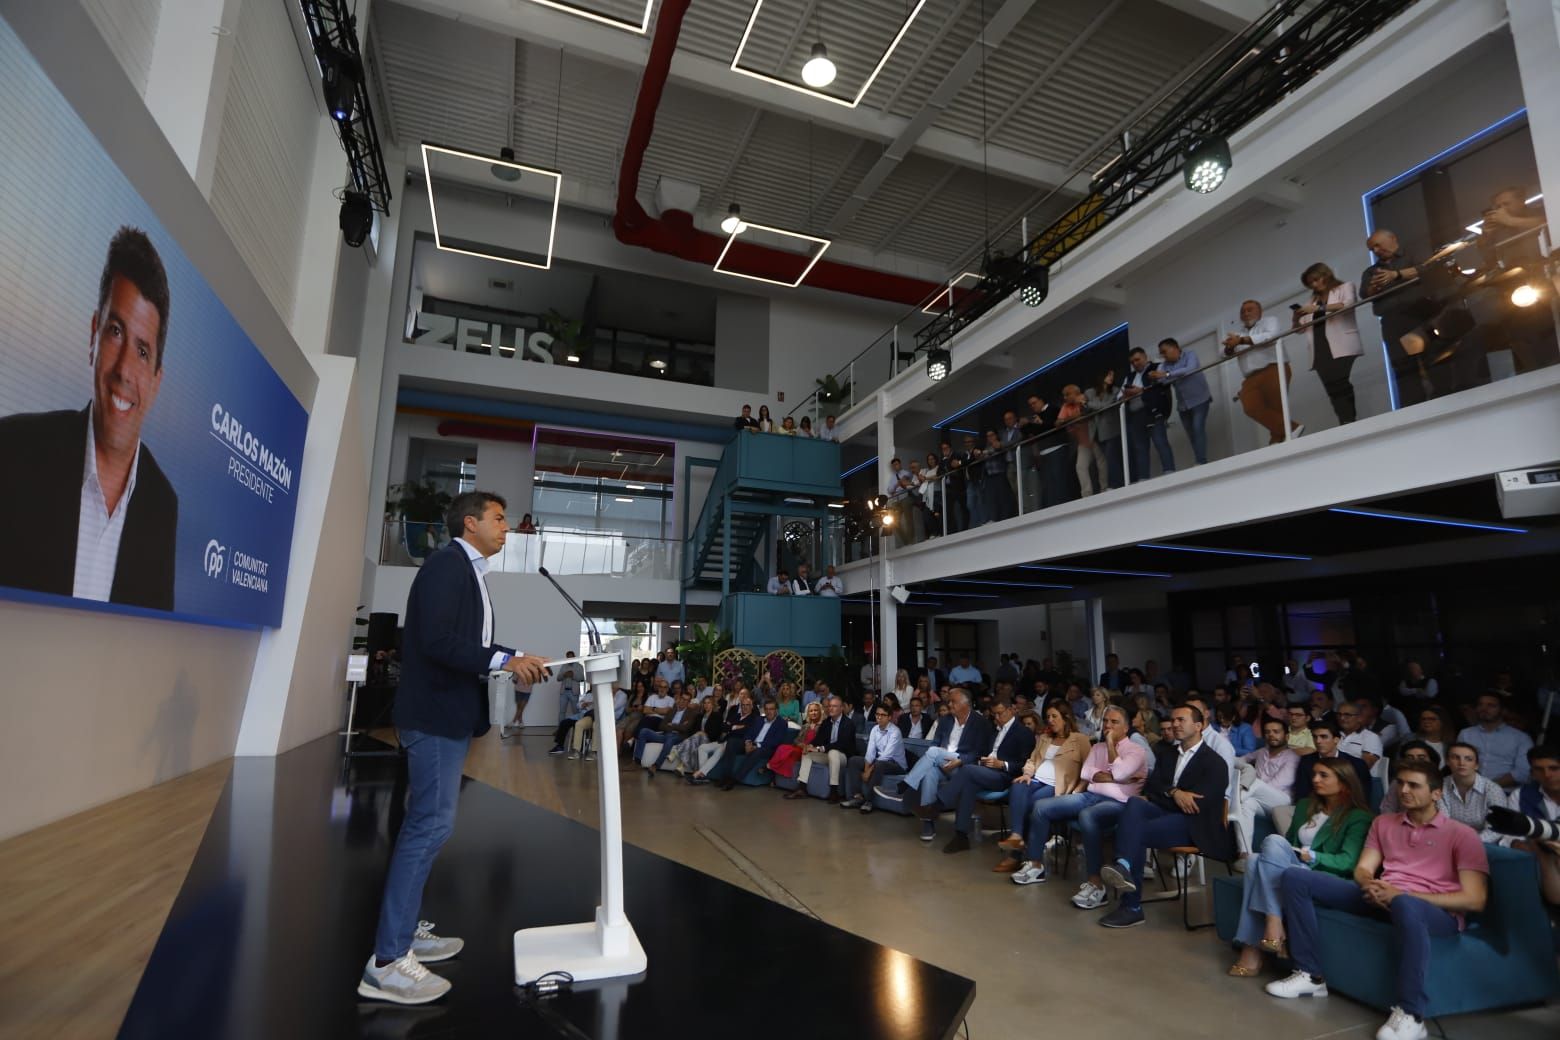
<point>606,947</point>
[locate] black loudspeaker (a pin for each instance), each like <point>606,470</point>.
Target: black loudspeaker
<point>383,632</point>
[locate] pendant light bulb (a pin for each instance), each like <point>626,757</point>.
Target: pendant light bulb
<point>819,70</point>
<point>733,225</point>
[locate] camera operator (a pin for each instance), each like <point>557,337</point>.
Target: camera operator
<point>1537,800</point>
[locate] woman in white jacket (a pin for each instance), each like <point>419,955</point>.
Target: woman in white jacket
<point>1335,337</point>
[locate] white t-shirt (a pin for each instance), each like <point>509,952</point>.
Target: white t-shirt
<point>1357,743</point>
<point>659,702</point>
<point>1046,774</point>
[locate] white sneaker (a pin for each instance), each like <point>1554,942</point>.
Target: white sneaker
<point>403,981</point>
<point>1089,896</point>
<point>1029,873</point>
<point>1402,1026</point>
<point>1116,878</point>
<point>431,948</point>
<point>1298,984</point>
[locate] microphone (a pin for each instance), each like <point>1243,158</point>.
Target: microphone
<point>590,626</point>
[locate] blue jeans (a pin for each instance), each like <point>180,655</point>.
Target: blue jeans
<point>1196,422</point>
<point>968,783</point>
<point>1095,822</point>
<point>650,736</point>
<point>1263,894</point>
<point>433,766</point>
<point>926,775</point>
<point>1414,921</point>
<point>1143,826</point>
<point>1056,810</point>
<point>1020,797</point>
<point>1141,427</point>
<point>974,504</point>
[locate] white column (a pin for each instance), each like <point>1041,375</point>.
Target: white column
<point>1535,29</point>
<point>885,444</point>
<point>315,284</point>
<point>187,84</point>
<point>1094,620</point>
<point>888,624</point>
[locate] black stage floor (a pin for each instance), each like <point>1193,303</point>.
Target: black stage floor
<point>270,931</point>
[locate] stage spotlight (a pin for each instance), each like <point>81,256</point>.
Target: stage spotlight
<point>733,223</point>
<point>1207,164</point>
<point>886,519</point>
<point>1525,295</point>
<point>339,78</point>
<point>357,218</point>
<point>1035,286</point>
<point>819,70</point>
<point>939,362</point>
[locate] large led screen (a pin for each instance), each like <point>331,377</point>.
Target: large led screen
<point>149,455</point>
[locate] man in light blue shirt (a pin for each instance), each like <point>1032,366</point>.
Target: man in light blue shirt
<point>964,675</point>
<point>670,668</point>
<point>1192,396</point>
<point>885,757</point>
<point>1502,749</point>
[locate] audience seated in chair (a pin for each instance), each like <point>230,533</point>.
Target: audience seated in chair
<point>741,723</point>
<point>1053,767</point>
<point>681,724</point>
<point>1009,751</point>
<point>961,737</point>
<point>1326,834</point>
<point>684,757</point>
<point>1267,780</point>
<point>1112,773</point>
<point>885,757</point>
<point>832,746</point>
<point>1183,804</point>
<point>757,743</point>
<point>1432,871</point>
<point>789,757</point>
<point>917,723</point>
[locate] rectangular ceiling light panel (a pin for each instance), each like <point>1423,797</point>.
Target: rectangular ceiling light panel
<point>475,168</point>
<point>802,88</point>
<point>641,27</point>
<point>821,244</point>
<point>944,300</point>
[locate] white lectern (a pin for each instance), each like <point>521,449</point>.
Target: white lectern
<point>607,947</point>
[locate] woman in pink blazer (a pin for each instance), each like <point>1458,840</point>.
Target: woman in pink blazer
<point>1335,337</point>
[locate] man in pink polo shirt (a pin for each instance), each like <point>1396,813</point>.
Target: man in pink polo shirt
<point>1433,870</point>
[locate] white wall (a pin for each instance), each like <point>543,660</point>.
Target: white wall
<point>1037,631</point>
<point>99,705</point>
<point>1137,628</point>
<point>742,343</point>
<point>814,334</point>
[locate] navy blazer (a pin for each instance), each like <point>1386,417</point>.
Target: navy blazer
<point>779,733</point>
<point>444,663</point>
<point>1207,775</point>
<point>846,745</point>
<point>43,456</point>
<point>1015,748</point>
<point>974,742</point>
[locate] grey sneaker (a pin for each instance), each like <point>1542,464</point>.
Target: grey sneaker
<point>404,981</point>
<point>1116,878</point>
<point>431,948</point>
<point>1090,897</point>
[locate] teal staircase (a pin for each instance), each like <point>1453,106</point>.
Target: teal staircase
<point>758,478</point>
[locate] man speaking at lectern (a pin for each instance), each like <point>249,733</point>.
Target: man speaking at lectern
<point>447,651</point>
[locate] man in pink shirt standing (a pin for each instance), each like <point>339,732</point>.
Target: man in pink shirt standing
<point>1113,772</point>
<point>1433,870</point>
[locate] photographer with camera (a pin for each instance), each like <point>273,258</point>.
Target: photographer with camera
<point>1534,824</point>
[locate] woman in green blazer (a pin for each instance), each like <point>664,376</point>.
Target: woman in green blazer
<point>1327,833</point>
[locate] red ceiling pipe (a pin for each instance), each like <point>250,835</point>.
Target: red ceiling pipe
<point>674,234</point>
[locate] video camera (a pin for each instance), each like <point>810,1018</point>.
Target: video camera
<point>1518,825</point>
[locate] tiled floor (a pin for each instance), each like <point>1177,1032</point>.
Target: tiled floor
<point>1040,963</point>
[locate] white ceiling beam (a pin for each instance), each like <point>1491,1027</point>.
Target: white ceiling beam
<point>550,28</point>
<point>958,77</point>
<point>927,196</point>
<point>1233,15</point>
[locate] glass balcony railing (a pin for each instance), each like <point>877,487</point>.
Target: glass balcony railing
<point>561,550</point>
<point>1451,326</point>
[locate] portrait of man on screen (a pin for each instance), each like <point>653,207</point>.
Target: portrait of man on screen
<point>91,514</point>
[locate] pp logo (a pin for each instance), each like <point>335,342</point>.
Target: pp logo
<point>215,558</point>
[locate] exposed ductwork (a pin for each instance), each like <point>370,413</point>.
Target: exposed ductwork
<point>673,232</point>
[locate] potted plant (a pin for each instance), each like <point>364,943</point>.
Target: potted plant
<point>831,391</point>
<point>699,649</point>
<point>421,505</point>
<point>568,333</point>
